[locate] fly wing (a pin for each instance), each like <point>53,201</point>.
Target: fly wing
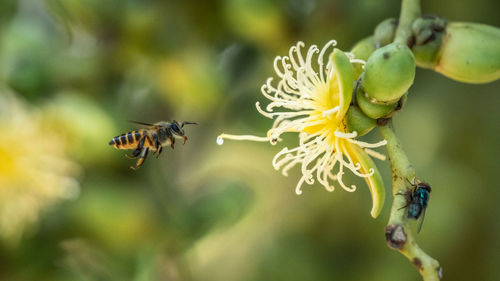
<point>421,221</point>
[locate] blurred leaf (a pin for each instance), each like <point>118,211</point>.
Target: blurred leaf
<point>222,206</point>
<point>259,21</point>
<point>191,81</point>
<point>85,125</point>
<point>87,262</point>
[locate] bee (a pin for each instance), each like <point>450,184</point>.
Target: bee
<point>153,138</point>
<point>416,201</point>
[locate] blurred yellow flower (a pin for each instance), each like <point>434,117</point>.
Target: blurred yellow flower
<point>34,170</point>
<point>316,98</point>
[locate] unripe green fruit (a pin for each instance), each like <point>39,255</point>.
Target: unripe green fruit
<point>370,109</point>
<point>470,52</point>
<point>362,50</point>
<point>356,121</point>
<point>399,104</point>
<point>389,73</point>
<point>428,34</point>
<point>384,32</point>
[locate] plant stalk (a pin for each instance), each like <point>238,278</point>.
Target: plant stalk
<point>398,233</point>
<point>410,10</point>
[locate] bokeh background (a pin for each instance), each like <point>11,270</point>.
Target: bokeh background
<point>73,72</point>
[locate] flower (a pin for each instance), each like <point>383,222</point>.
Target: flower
<point>34,170</point>
<point>314,98</point>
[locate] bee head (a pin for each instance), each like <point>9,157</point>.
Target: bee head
<point>176,128</point>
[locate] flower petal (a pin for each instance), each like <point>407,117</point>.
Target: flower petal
<point>344,70</point>
<point>375,181</point>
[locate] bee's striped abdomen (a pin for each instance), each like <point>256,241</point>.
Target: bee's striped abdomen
<point>129,140</point>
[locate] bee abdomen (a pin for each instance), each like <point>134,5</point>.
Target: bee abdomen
<point>126,141</point>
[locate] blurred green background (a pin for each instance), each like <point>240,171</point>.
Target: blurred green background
<point>73,72</point>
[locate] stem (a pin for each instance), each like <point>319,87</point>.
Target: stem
<point>398,233</point>
<point>410,10</point>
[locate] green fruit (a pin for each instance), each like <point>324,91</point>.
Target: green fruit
<point>384,32</point>
<point>373,110</point>
<point>389,73</point>
<point>470,52</point>
<point>399,104</point>
<point>357,121</point>
<point>362,50</point>
<point>428,34</point>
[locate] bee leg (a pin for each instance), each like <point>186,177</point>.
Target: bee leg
<point>157,145</point>
<point>159,152</point>
<point>172,143</point>
<point>141,160</point>
<point>185,139</point>
<point>157,148</point>
<point>137,149</point>
<point>134,154</point>
<point>156,142</point>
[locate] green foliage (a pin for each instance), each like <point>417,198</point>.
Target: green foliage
<point>200,212</point>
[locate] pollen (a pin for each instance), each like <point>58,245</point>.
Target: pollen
<point>310,99</point>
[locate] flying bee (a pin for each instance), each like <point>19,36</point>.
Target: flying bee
<point>416,201</point>
<point>153,138</point>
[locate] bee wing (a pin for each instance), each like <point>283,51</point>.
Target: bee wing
<point>140,123</point>
<point>421,221</point>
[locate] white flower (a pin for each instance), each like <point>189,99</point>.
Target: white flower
<point>34,170</point>
<point>314,97</point>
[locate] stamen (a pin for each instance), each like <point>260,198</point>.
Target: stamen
<point>375,154</point>
<point>353,59</point>
<point>278,71</point>
<point>302,93</point>
<point>331,43</point>
<point>298,190</point>
<point>369,145</point>
<point>354,168</point>
<point>221,137</point>
<point>331,111</point>
<point>339,177</point>
<point>362,62</point>
<point>290,165</point>
<point>264,113</point>
<point>345,135</point>
<point>286,66</point>
<point>296,49</point>
<point>321,169</point>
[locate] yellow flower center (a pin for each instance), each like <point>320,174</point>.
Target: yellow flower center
<point>34,171</point>
<point>309,94</point>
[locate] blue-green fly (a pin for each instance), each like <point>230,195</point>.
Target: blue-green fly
<point>416,201</point>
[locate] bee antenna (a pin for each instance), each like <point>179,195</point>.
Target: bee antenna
<point>188,123</point>
<point>140,123</point>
